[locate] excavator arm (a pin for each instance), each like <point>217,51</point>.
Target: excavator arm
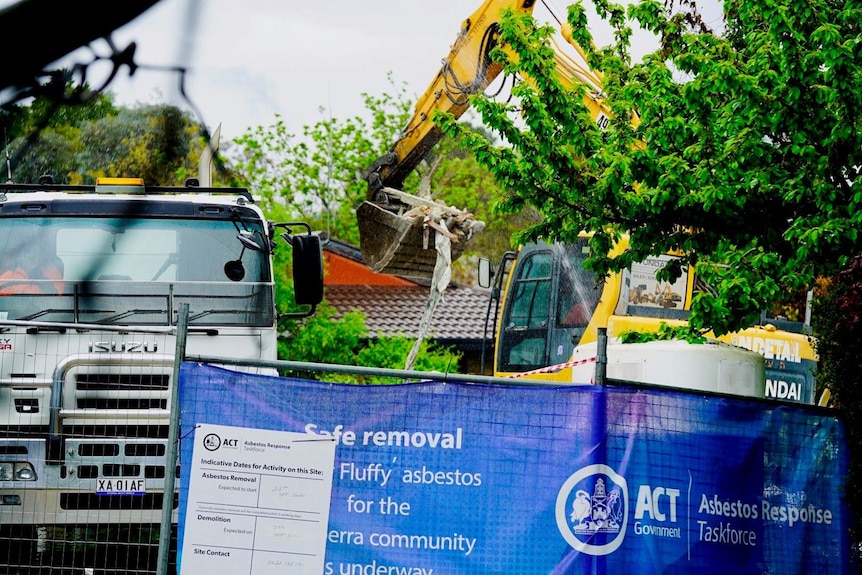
<point>398,230</point>
<point>468,69</point>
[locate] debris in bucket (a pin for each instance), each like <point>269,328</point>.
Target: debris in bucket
<point>398,238</point>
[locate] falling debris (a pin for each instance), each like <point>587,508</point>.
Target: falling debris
<point>417,237</point>
<point>439,282</point>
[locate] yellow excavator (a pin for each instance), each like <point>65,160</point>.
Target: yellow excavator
<point>551,308</point>
<point>397,230</point>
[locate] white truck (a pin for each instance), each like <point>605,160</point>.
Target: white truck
<point>93,278</point>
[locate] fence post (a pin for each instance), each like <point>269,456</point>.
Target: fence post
<point>173,440</point>
<point>601,355</point>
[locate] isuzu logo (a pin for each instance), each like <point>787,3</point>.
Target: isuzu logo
<point>123,346</point>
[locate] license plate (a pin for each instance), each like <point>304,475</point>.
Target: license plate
<point>121,487</point>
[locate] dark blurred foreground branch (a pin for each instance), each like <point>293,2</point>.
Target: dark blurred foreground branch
<point>39,32</point>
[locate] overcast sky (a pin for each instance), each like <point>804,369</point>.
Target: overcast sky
<point>254,59</point>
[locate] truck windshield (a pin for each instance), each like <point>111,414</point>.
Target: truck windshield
<point>134,271</point>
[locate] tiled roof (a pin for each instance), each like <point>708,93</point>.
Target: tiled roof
<point>398,310</point>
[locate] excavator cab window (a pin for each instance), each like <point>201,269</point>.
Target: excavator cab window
<point>552,301</point>
<point>525,323</point>
<point>579,290</point>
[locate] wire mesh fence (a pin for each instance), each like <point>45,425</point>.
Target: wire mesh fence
<point>459,474</point>
<point>83,448</point>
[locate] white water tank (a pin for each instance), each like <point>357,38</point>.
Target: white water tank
<point>712,366</point>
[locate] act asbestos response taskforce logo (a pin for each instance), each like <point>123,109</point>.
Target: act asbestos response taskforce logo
<point>212,441</point>
<point>591,510</point>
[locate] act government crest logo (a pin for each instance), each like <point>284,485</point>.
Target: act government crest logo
<point>212,441</point>
<point>592,510</point>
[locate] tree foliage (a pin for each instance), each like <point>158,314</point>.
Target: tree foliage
<point>343,341</point>
<point>665,332</point>
<point>744,157</point>
<point>78,143</point>
<point>318,175</point>
<point>838,318</point>
<point>159,143</point>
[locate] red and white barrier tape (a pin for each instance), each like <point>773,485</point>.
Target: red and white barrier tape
<point>554,368</point>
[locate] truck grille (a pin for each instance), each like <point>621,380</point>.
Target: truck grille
<point>120,403</point>
<point>127,502</point>
<point>127,395</point>
<point>125,431</point>
<point>122,382</point>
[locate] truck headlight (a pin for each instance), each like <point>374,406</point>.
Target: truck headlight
<point>17,471</point>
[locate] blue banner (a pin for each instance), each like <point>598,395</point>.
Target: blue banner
<point>459,478</point>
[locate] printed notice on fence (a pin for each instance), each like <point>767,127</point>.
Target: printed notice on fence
<point>258,502</point>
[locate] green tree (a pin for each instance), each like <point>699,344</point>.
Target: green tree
<point>318,176</point>
<point>78,143</point>
<point>59,107</point>
<point>739,150</point>
<point>838,320</point>
<point>322,338</point>
<point>44,136</point>
<point>745,159</point>
<point>159,143</point>
<point>325,338</point>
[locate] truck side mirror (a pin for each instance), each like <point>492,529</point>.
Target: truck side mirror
<point>486,272</point>
<point>307,267</point>
<point>307,270</point>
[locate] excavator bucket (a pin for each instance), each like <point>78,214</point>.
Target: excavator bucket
<point>394,244</point>
<point>403,243</point>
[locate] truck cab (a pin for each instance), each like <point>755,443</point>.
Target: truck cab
<point>88,322</point>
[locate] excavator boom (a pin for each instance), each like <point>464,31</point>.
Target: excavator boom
<point>397,231</point>
<point>466,70</point>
